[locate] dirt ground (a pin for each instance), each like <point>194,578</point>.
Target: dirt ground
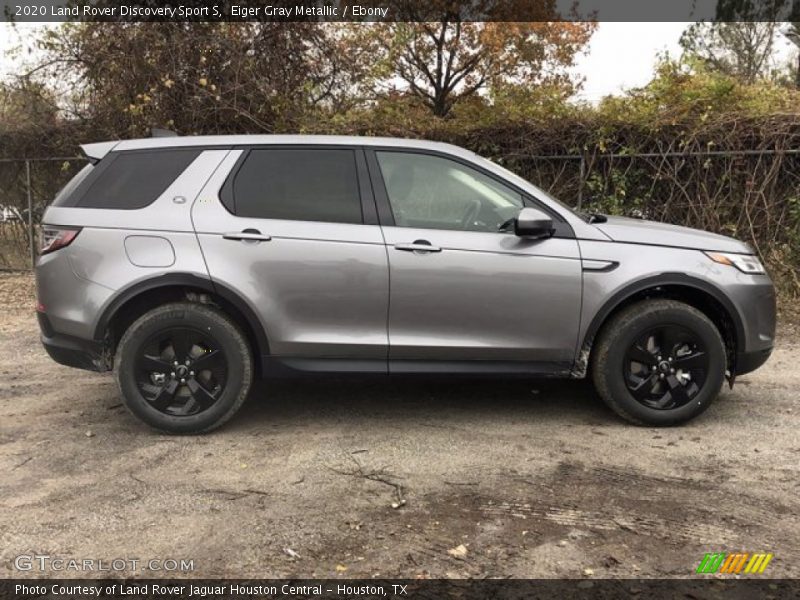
<point>499,479</point>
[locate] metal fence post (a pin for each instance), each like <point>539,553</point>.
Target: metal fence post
<point>31,241</point>
<point>581,177</point>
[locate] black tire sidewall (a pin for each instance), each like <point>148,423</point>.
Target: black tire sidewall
<point>214,325</point>
<point>625,336</point>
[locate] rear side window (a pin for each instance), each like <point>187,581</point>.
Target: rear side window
<point>65,196</point>
<point>132,180</point>
<point>318,184</point>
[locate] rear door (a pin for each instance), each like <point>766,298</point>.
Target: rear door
<point>464,293</point>
<point>293,231</point>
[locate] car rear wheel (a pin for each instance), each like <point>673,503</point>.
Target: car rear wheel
<point>659,362</point>
<point>183,368</point>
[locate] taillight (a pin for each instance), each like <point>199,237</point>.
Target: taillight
<point>54,238</point>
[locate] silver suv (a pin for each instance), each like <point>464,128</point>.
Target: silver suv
<point>191,265</point>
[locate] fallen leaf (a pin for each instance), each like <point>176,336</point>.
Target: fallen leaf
<point>459,551</point>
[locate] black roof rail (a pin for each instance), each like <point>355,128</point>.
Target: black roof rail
<point>156,132</point>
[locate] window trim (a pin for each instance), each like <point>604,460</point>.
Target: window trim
<point>369,214</point>
<point>562,228</point>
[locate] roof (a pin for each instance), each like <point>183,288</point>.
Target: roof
<point>100,149</point>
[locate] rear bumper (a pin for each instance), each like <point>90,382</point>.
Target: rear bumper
<point>71,351</point>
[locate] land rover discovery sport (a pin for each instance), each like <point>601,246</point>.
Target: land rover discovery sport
<point>191,265</point>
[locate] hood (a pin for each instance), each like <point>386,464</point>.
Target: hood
<point>653,233</point>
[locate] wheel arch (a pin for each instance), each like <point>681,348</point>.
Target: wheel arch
<point>135,300</point>
<point>702,295</point>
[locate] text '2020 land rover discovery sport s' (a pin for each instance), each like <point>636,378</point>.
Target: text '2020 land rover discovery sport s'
<point>191,265</point>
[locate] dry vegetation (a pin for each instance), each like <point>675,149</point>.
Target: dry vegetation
<point>697,146</point>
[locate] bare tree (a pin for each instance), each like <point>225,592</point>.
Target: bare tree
<point>741,41</point>
<point>199,77</point>
<point>442,57</point>
<point>792,32</point>
<point>741,49</point>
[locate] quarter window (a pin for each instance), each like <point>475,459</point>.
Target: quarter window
<point>432,192</point>
<point>65,196</point>
<point>298,184</point>
<point>135,179</point>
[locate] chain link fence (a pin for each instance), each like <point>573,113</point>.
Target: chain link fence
<point>752,195</point>
<point>27,186</point>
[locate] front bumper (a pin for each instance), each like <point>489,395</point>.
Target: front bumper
<point>747,362</point>
<point>756,305</point>
<point>71,351</point>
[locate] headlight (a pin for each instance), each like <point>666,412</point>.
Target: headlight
<point>746,263</point>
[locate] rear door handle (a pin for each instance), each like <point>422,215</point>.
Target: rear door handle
<point>248,235</point>
<point>418,246</point>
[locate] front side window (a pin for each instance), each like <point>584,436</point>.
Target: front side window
<point>432,192</point>
<point>301,184</point>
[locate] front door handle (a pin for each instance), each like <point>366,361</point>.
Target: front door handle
<point>248,235</point>
<point>418,246</point>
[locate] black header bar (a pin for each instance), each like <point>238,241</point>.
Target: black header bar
<point>399,589</point>
<point>398,10</point>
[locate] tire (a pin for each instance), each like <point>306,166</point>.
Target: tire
<point>647,363</point>
<point>199,392</point>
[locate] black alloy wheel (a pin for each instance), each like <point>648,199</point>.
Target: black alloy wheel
<point>181,371</point>
<point>666,367</point>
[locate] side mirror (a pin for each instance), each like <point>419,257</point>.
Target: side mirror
<point>533,223</point>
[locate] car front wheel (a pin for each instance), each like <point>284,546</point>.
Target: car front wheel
<point>183,368</point>
<point>659,362</point>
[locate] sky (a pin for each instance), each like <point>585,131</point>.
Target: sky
<point>11,37</point>
<point>620,55</point>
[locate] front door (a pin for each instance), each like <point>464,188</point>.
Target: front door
<point>463,294</point>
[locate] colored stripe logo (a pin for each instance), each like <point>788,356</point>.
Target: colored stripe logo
<point>738,562</point>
